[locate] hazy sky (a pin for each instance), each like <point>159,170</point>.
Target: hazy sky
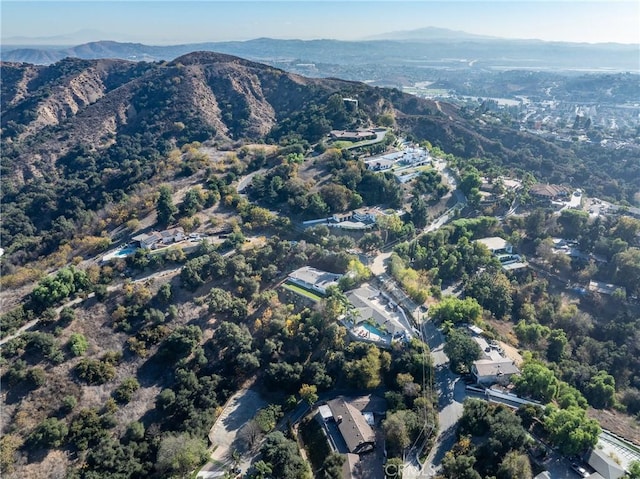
<point>162,22</point>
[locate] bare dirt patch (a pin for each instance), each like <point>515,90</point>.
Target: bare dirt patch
<point>618,423</point>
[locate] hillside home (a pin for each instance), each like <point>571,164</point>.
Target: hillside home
<point>491,371</point>
<point>155,238</point>
<point>350,135</point>
<point>547,192</point>
<point>353,426</point>
<point>496,245</point>
<point>314,279</point>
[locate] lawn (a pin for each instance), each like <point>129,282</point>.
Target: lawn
<point>302,292</point>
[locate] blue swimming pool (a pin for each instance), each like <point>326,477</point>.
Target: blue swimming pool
<point>373,329</point>
<point>123,253</point>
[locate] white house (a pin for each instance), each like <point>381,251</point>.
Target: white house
<point>151,240</point>
<point>496,245</point>
<point>314,279</point>
<point>490,371</point>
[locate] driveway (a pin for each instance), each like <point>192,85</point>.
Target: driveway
<point>240,409</point>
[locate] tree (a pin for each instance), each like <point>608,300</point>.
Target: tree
<point>370,242</point>
<point>571,430</point>
<point>557,345</point>
<point>601,390</point>
<point>634,470</point>
<point>50,433</point>
<point>309,393</point>
<point>284,458</point>
<point>573,222</point>
<point>493,291</point>
<point>124,392</point>
<point>389,224</point>
<point>515,465</point>
<point>365,372</point>
<point>462,350</point>
<point>332,466</point>
<point>628,269</point>
<point>419,212</point>
<point>398,429</point>
<point>456,310</point>
<point>180,454</point>
<point>459,466</point>
<point>537,381</point>
<point>192,202</point>
<point>78,344</point>
<point>165,207</point>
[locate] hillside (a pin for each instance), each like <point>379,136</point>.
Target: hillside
<point>79,134</point>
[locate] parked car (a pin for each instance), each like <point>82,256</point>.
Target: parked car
<point>578,469</point>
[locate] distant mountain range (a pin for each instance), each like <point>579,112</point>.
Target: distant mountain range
<point>430,48</point>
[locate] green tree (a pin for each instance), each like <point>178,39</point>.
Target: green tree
<point>78,344</point>
<point>309,393</point>
<point>459,466</point>
<point>462,350</point>
<point>456,310</point>
<point>601,390</point>
<point>50,433</point>
<point>573,222</point>
<point>165,207</point>
<point>332,466</point>
<point>634,470</point>
<point>537,381</point>
<point>179,454</point>
<point>628,269</point>
<point>571,430</point>
<point>515,465</point>
<point>124,392</point>
<point>284,458</point>
<point>557,345</point>
<point>399,427</point>
<point>493,291</point>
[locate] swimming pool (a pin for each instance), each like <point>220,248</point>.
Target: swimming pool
<point>123,253</point>
<point>373,330</point>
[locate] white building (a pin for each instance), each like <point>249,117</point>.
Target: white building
<point>314,279</point>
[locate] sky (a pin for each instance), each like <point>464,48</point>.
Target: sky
<point>162,22</point>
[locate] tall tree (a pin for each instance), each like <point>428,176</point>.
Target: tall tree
<point>165,207</point>
<point>462,350</point>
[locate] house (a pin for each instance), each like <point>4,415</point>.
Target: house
<point>147,241</point>
<point>503,250</point>
<point>353,426</point>
<point>369,305</point>
<point>496,245</point>
<point>151,240</point>
<point>547,192</point>
<point>360,219</point>
<point>491,371</point>
<point>314,279</point>
<point>604,288</point>
<point>606,468</point>
<point>357,135</point>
